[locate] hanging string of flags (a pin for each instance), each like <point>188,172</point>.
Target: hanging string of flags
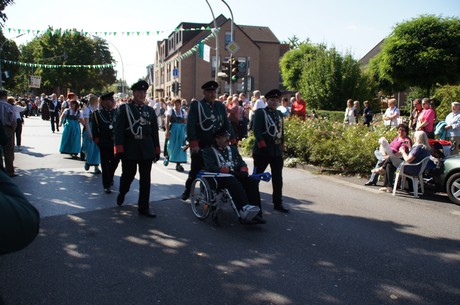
<point>24,64</point>
<point>101,33</point>
<point>199,45</point>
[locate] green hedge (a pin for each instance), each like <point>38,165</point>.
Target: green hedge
<point>331,145</point>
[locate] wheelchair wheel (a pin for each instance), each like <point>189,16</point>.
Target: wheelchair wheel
<point>200,196</point>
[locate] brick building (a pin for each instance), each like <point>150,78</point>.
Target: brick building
<point>258,54</point>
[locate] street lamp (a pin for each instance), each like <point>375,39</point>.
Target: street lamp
<point>1,49</point>
<point>122,67</point>
<point>232,35</point>
<point>217,43</point>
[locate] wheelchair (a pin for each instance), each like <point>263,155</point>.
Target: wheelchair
<point>207,198</point>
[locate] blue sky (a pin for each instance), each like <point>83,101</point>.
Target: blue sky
<point>353,26</point>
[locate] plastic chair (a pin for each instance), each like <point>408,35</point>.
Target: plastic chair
<point>416,180</point>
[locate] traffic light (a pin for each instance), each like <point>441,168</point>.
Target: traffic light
<point>245,84</point>
<point>225,74</point>
<point>173,87</point>
<point>235,69</point>
<point>177,87</point>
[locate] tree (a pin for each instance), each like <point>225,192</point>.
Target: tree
<point>421,52</point>
<point>69,48</point>
<point>11,52</point>
<point>3,5</point>
<point>325,77</point>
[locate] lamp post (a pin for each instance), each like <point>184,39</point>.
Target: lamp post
<point>122,67</point>
<point>232,35</point>
<point>217,43</point>
<point>1,49</point>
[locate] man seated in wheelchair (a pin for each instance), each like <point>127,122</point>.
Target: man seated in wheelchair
<point>224,158</point>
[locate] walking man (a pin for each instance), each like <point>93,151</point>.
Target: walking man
<point>269,145</point>
<point>205,118</point>
<point>137,144</point>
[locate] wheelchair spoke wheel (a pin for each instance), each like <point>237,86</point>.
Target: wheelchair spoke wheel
<point>200,195</point>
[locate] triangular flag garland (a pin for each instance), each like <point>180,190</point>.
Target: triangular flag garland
<point>196,47</point>
<point>103,33</point>
<point>25,64</point>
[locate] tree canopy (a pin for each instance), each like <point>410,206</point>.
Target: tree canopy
<point>54,48</point>
<point>324,76</point>
<point>421,52</point>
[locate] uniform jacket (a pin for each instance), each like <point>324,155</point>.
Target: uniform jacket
<point>136,132</point>
<point>101,120</point>
<point>203,121</point>
<point>224,160</point>
<point>268,130</point>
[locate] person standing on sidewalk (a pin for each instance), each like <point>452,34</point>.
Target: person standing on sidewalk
<point>102,127</point>
<point>204,119</point>
<point>8,117</point>
<point>54,107</point>
<point>269,145</point>
<point>137,144</point>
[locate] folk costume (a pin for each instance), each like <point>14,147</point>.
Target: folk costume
<point>204,119</point>
<point>268,147</point>
<point>177,131</point>
<point>102,128</point>
<point>89,147</point>
<point>71,136</point>
<point>137,142</point>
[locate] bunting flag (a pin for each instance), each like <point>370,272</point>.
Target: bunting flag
<point>25,64</point>
<point>196,47</point>
<point>103,33</point>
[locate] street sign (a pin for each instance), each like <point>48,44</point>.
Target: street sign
<point>232,47</point>
<point>35,81</point>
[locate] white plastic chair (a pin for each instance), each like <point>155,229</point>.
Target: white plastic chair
<point>416,180</point>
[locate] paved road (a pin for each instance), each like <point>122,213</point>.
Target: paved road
<point>342,243</point>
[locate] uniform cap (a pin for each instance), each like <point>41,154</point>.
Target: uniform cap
<point>275,93</point>
<point>140,85</point>
<point>211,85</point>
<point>222,133</point>
<point>107,96</point>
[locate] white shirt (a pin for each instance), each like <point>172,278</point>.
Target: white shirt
<point>390,112</point>
<point>259,104</point>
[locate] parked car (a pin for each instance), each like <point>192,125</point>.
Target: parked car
<point>447,179</point>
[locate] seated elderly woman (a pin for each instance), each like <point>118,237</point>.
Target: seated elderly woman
<point>390,152</point>
<point>419,151</point>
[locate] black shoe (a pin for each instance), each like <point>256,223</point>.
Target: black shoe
<point>107,190</point>
<point>97,171</point>
<point>179,168</point>
<point>185,195</point>
<point>147,213</point>
<point>368,183</point>
<point>86,166</point>
<point>259,220</point>
<point>120,199</point>
<point>280,208</point>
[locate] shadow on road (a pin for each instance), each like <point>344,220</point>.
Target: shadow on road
<point>112,256</point>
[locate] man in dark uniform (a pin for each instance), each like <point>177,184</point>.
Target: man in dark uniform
<point>222,158</point>
<point>137,143</point>
<point>54,107</point>
<point>102,129</point>
<point>268,147</point>
<point>204,119</point>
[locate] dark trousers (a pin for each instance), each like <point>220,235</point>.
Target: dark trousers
<point>243,190</point>
<point>276,166</point>
<point>54,116</point>
<point>196,165</point>
<point>390,171</point>
<point>109,164</point>
<point>129,168</point>
<point>18,132</point>
<point>8,151</point>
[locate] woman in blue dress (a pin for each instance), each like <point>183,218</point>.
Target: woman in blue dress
<point>89,148</point>
<point>176,122</point>
<point>71,135</point>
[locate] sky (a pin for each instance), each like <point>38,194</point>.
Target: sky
<point>353,26</point>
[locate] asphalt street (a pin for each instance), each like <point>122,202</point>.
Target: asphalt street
<point>341,243</point>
